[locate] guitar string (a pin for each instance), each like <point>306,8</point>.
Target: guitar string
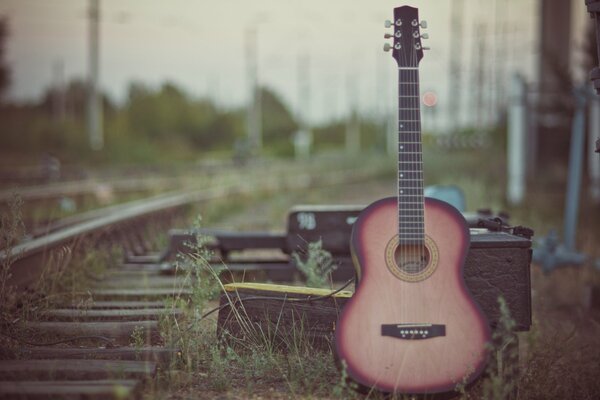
<point>403,249</point>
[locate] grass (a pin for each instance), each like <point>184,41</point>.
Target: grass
<point>11,231</point>
<point>316,264</point>
<point>558,358</point>
<point>253,365</point>
<point>66,277</point>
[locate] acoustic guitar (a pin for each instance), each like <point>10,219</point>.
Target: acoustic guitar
<point>412,326</point>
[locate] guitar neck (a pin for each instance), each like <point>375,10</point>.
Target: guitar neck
<point>410,161</point>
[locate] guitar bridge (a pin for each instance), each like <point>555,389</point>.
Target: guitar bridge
<point>413,331</point>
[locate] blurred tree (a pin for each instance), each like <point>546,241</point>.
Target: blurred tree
<point>170,114</point>
<point>330,135</point>
<point>75,95</point>
<point>278,124</point>
<point>4,68</point>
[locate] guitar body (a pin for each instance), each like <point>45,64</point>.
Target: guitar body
<point>411,303</point>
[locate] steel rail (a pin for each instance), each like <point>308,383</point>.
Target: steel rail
<point>27,259</point>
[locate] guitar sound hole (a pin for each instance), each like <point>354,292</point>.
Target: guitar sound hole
<point>412,258</point>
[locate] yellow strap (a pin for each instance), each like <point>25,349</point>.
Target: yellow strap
<point>269,287</point>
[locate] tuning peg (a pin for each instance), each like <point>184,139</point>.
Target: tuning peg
<point>426,48</point>
<point>423,24</point>
<point>387,47</point>
<point>425,36</point>
<point>388,23</point>
<point>388,35</point>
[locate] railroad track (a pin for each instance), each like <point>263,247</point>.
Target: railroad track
<point>66,197</point>
<point>107,343</point>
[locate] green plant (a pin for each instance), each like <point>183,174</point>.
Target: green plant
<point>502,373</point>
<point>201,270</point>
<point>138,337</point>
<point>317,264</point>
<point>12,231</point>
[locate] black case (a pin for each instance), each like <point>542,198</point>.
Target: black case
<point>497,263</point>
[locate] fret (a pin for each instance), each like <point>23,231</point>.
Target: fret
<point>412,148</point>
<point>410,152</point>
<point>409,126</point>
<point>409,102</point>
<point>411,186</point>
<point>416,177</point>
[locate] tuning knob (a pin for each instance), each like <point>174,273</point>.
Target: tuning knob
<point>388,35</point>
<point>425,36</point>
<point>423,24</point>
<point>426,48</point>
<point>388,23</point>
<point>387,47</point>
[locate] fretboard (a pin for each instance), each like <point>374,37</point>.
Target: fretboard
<point>410,162</point>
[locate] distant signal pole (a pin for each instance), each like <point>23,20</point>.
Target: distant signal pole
<point>94,100</point>
<point>254,115</point>
<point>454,105</point>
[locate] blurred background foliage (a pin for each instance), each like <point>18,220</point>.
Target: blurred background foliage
<point>158,124</point>
<point>154,125</point>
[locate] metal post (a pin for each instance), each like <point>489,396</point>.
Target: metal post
<point>352,133</point>
<point>303,137</point>
<point>59,109</point>
<point>254,114</point>
<point>575,169</point>
<point>593,159</point>
<point>593,7</point>
<point>454,105</point>
<point>94,115</point>
<point>478,75</point>
<point>550,253</point>
<point>517,124</point>
<point>352,123</point>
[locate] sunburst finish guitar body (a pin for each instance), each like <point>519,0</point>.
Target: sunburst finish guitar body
<point>412,326</point>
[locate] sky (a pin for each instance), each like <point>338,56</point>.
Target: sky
<point>200,46</point>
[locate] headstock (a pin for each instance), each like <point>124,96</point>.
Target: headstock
<point>407,49</point>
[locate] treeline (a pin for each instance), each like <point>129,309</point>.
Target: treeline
<point>154,125</point>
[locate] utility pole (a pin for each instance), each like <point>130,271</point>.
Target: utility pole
<point>254,113</point>
<point>303,137</point>
<point>352,123</point>
<point>500,54</point>
<point>455,98</point>
<point>94,103</point>
<point>478,74</point>
<point>58,100</point>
